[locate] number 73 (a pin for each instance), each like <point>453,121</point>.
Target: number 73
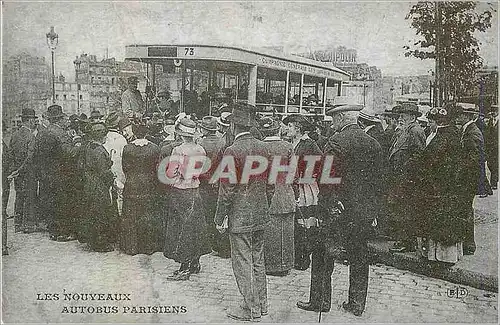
<point>189,51</point>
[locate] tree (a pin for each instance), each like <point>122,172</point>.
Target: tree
<point>446,31</point>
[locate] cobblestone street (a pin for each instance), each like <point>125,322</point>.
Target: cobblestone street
<point>37,265</point>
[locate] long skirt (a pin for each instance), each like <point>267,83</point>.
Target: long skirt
<point>279,243</point>
<point>186,235</point>
<point>141,225</point>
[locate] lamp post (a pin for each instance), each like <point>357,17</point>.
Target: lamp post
<point>52,41</point>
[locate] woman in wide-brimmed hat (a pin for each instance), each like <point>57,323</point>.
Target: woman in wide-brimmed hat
<point>186,233</point>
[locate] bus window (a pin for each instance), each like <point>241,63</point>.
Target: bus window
<point>270,95</point>
<point>294,93</point>
<point>312,97</point>
<point>332,89</point>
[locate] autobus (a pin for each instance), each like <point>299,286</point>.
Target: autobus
<point>204,78</point>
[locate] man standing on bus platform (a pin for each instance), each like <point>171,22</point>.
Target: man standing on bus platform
<point>132,102</point>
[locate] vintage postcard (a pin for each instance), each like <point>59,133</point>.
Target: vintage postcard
<point>227,162</point>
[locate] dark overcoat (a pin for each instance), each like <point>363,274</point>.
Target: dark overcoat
<point>357,160</point>
<point>55,157</point>
<point>141,223</point>
<point>439,186</point>
<point>101,214</point>
<point>473,153</point>
<point>22,145</point>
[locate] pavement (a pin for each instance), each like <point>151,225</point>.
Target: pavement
<point>39,272</point>
<point>43,279</point>
<point>479,270</point>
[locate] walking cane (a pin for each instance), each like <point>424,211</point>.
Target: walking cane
<point>322,288</point>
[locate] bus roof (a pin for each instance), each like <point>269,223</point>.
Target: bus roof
<point>153,53</point>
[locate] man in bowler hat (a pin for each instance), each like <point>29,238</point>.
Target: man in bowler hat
<point>408,144</point>
<point>245,205</point>
<point>21,150</point>
<point>56,157</point>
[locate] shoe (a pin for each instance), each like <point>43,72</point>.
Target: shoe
<point>264,311</point>
<point>310,307</point>
<point>280,273</point>
<point>63,238</point>
<point>242,315</point>
<point>53,237</point>
<point>195,269</point>
<point>482,196</point>
<point>398,247</point>
<point>103,249</point>
<point>179,276</point>
<point>352,309</point>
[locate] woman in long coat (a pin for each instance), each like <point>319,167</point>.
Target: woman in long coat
<point>441,224</point>
<point>100,226</point>
<point>186,232</point>
<point>141,223</point>
<point>278,235</point>
<point>306,195</point>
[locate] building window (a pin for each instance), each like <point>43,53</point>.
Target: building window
<point>112,81</point>
<point>81,96</point>
<point>57,96</point>
<point>65,97</point>
<point>79,87</point>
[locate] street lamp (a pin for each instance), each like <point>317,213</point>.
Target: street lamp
<point>52,41</point>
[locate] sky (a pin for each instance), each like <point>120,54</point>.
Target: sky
<point>377,30</point>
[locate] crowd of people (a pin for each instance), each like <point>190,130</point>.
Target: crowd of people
<point>95,180</point>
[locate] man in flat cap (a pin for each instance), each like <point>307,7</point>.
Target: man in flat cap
<point>132,102</point>
<point>357,159</point>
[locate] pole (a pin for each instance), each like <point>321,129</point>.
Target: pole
<point>437,81</point>
<point>53,80</point>
<point>364,94</point>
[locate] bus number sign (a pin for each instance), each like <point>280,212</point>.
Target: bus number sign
<point>188,51</point>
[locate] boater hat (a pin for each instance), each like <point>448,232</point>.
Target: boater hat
<point>222,120</point>
<point>343,104</point>
<point>368,117</point>
<point>185,127</point>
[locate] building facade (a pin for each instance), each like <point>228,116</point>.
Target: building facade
<point>26,84</point>
<point>365,86</point>
<point>100,84</point>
